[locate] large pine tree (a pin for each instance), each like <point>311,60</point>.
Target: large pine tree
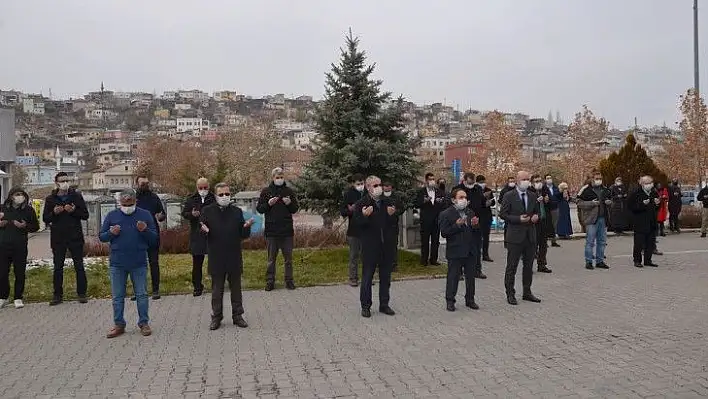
<point>630,163</point>
<point>360,130</point>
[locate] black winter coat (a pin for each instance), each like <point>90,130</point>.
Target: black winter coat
<point>619,214</point>
<point>279,217</point>
<point>429,211</point>
<point>12,236</point>
<point>643,215</point>
<point>152,203</point>
<point>226,231</point>
<point>675,199</point>
<point>197,240</point>
<point>379,231</point>
<point>478,203</point>
<point>65,227</point>
<point>351,197</point>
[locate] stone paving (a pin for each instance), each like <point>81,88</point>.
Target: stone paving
<point>621,333</point>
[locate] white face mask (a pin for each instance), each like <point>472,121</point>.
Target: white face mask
<point>376,193</point>
<point>431,183</point>
<point>512,184</point>
<point>279,182</point>
<point>524,185</point>
<point>223,201</point>
<point>469,185</point>
<point>203,193</point>
<point>64,185</point>
<point>128,210</point>
<point>648,187</point>
<point>461,204</point>
<point>538,185</point>
<point>598,183</point>
<point>18,199</point>
<point>618,183</point>
<point>483,185</point>
<point>549,181</point>
<point>387,193</point>
<point>359,187</point>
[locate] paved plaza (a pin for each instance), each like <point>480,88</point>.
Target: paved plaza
<point>622,333</point>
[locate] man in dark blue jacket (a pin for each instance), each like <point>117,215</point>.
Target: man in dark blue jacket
<point>131,232</point>
<point>148,200</point>
<point>351,196</point>
<point>64,209</point>
<point>459,226</point>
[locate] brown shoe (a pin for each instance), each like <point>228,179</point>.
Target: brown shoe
<point>145,330</point>
<point>115,331</point>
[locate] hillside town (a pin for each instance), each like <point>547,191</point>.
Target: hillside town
<point>94,138</point>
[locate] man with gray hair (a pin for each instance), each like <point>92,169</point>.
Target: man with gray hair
<point>192,211</point>
<point>131,232</point>
<point>278,203</point>
<point>643,203</point>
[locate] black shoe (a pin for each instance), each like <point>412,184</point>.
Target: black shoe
<point>290,285</point>
<point>544,269</point>
<point>511,299</point>
<point>450,307</point>
<point>657,252</point>
<point>133,298</point>
<point>531,298</point>
<point>56,301</point>
<point>215,324</point>
<point>638,264</point>
<point>366,313</point>
<point>480,275</point>
<point>83,299</point>
<point>602,265</point>
<point>156,295</point>
<point>555,244</point>
<point>240,322</point>
<point>589,266</point>
<point>353,283</point>
<point>651,264</point>
<point>436,263</point>
<point>487,259</point>
<point>387,310</point>
<point>703,235</point>
<point>677,231</point>
<point>198,292</point>
<point>472,305</point>
<point>424,263</point>
<point>270,286</point>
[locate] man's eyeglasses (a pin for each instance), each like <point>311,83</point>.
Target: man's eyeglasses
<point>203,188</point>
<point>223,195</point>
<point>375,185</point>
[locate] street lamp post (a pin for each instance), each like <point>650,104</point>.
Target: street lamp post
<point>695,47</point>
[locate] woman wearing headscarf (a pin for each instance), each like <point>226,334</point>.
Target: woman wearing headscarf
<point>565,226</point>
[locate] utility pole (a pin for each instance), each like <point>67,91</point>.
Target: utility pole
<point>696,80</point>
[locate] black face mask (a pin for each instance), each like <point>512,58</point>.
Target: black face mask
<point>144,187</point>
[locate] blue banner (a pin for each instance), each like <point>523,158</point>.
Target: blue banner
<point>457,170</point>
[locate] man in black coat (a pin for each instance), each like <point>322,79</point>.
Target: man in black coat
<point>400,205</point>
<point>510,185</point>
<point>191,211</point>
<point>375,216</point>
<point>487,202</point>
<point>555,197</point>
<point>459,226</point>
<point>544,228</point>
<point>521,211</point>
<point>674,206</point>
<point>430,201</point>
<point>278,203</point>
<point>148,200</point>
<point>17,219</point>
<point>351,197</point>
<point>224,226</point>
<point>64,210</point>
<point>618,211</point>
<point>643,203</point>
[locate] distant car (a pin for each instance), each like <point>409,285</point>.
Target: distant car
<point>689,197</point>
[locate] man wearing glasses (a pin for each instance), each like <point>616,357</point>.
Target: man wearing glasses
<point>224,226</point>
<point>197,241</point>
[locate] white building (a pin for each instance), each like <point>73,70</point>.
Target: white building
<point>104,148</point>
<point>183,107</point>
<point>98,114</point>
<point>191,124</point>
<point>193,95</point>
<point>167,123</point>
<point>115,177</point>
<point>30,106</point>
<point>169,95</point>
<point>305,139</point>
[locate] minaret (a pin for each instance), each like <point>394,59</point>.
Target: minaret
<point>550,118</point>
<point>57,159</point>
<point>558,118</point>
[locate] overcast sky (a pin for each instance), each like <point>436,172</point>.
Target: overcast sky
<point>624,58</point>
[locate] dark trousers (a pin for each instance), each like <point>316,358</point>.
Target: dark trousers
<point>77,255</point>
<point>429,243</point>
<point>476,264</point>
<point>516,252</point>
<point>673,220</point>
<point>644,243</point>
<point>197,267</point>
<point>541,246</point>
<point>17,257</point>
<point>218,281</point>
<point>275,245</point>
<point>486,228</point>
<point>154,261</point>
<point>370,262</point>
<point>455,267</point>
<point>505,246</point>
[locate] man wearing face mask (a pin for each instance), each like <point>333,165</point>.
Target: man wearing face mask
<point>487,202</point>
<point>521,211</point>
<point>544,227</point>
<point>375,216</point>
<point>643,203</point>
<point>278,203</point>
<point>595,202</point>
<point>197,241</point>
<point>555,197</point>
<point>430,201</point>
<point>64,209</point>
<point>441,185</point>
<point>618,212</point>
<point>148,200</point>
<point>351,197</point>
<point>397,199</point>
<point>459,226</point>
<point>224,226</point>
<point>467,185</point>
<point>674,206</point>
<point>17,219</point>
<point>509,186</point>
<point>131,232</point>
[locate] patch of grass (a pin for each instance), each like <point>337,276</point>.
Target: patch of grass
<point>311,268</point>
